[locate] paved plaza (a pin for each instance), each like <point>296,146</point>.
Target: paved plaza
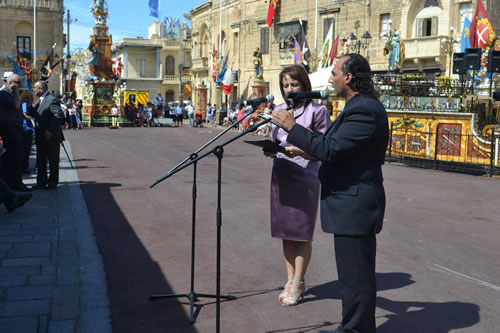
<point>88,256</point>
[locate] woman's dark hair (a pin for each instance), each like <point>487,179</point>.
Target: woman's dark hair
<point>296,72</point>
<point>361,73</point>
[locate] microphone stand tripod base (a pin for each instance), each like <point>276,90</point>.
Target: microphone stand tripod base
<point>193,298</point>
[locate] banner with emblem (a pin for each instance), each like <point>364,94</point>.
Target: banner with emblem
<point>482,33</point>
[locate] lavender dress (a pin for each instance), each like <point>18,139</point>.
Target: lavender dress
<point>294,182</point>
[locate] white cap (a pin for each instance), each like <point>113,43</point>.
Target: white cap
<point>6,75</point>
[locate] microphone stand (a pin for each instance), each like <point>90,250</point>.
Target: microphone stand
<point>219,152</point>
<point>192,295</point>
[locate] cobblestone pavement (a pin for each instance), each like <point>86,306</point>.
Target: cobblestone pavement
<point>51,273</point>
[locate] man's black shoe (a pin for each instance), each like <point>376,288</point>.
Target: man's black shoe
<point>39,187</point>
<point>18,200</point>
<point>52,187</point>
<point>21,188</point>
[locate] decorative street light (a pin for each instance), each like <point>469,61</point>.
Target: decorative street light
<point>357,44</point>
<point>448,46</point>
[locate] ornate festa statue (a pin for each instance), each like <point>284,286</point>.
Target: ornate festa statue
<point>117,68</point>
<point>172,26</point>
<point>257,61</point>
<point>395,55</point>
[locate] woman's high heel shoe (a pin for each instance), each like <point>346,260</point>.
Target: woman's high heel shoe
<point>284,294</point>
<point>297,294</point>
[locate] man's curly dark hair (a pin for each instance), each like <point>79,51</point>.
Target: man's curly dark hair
<point>361,73</point>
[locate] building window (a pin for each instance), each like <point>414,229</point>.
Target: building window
<point>264,40</point>
<point>289,32</point>
<point>385,23</point>
<point>236,43</point>
<point>427,26</point>
<point>327,22</point>
<point>169,65</point>
<point>465,11</point>
<point>23,43</point>
<point>141,67</point>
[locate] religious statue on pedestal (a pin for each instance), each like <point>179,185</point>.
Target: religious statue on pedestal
<point>257,61</point>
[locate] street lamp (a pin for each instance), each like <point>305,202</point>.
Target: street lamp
<point>181,90</point>
<point>448,46</point>
<point>358,44</point>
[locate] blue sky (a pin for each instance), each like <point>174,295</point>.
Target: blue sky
<point>126,18</point>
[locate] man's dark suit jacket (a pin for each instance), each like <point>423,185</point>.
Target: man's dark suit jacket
<point>352,152</point>
<point>48,116</point>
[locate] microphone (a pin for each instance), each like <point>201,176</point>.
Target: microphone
<point>307,95</point>
<point>269,119</point>
<point>267,99</point>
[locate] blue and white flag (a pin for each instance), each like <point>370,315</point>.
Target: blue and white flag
<point>153,7</point>
<point>465,42</point>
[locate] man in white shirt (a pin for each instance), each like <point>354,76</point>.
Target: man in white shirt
<point>190,111</point>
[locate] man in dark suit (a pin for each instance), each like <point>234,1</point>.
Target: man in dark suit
<point>11,130</point>
<point>352,152</point>
<point>48,136</point>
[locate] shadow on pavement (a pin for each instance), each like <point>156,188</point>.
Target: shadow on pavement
<point>407,316</point>
<point>131,273</point>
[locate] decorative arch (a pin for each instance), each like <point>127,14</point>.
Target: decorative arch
<point>169,65</point>
<point>24,28</point>
<point>204,38</point>
<point>424,17</point>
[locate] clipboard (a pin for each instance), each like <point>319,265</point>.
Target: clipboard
<point>267,145</point>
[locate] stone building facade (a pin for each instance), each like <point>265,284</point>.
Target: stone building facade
<point>16,27</point>
<point>153,64</point>
<point>240,26</point>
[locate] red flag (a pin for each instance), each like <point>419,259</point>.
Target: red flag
<point>482,32</point>
<point>24,65</point>
<point>273,5</point>
<point>334,51</point>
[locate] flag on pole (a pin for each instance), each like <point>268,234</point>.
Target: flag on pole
<point>482,32</point>
<point>465,41</point>
<point>46,69</point>
<point>220,77</point>
<point>273,5</point>
<point>297,55</point>
<point>153,8</point>
<point>24,65</point>
<point>306,52</point>
<point>325,51</point>
<point>227,81</point>
<point>213,68</point>
<point>334,51</point>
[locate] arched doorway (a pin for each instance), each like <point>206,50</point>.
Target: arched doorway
<point>169,96</point>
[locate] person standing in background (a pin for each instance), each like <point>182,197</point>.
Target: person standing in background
<point>11,130</point>
<point>48,136</point>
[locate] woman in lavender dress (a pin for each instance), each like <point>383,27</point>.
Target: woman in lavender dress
<point>295,186</point>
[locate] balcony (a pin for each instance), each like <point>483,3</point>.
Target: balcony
<point>174,79</point>
<point>200,64</point>
<point>172,44</point>
<point>170,79</point>
<point>423,47</point>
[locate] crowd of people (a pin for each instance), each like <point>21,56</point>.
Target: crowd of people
<point>22,121</point>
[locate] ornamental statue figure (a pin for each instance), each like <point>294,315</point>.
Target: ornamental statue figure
<point>257,61</point>
<point>395,55</point>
